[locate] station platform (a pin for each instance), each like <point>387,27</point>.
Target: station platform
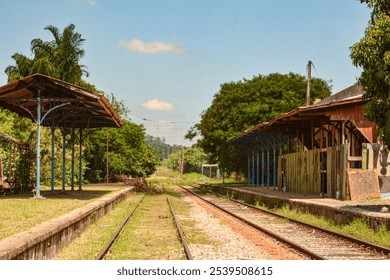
<point>43,241</point>
<point>375,211</point>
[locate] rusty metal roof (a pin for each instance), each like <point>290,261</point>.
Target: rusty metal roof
<point>344,105</point>
<point>82,108</point>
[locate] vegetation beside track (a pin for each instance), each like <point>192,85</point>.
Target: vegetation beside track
<point>150,233</point>
<point>357,228</point>
<point>93,239</point>
<point>19,212</point>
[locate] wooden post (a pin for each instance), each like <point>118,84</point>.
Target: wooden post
<point>364,156</point>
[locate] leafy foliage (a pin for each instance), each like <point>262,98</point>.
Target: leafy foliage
<point>127,153</point>
<point>243,104</point>
<point>193,159</point>
<point>372,53</point>
<point>59,58</point>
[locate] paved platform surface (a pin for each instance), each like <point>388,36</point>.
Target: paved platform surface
<point>371,207</point>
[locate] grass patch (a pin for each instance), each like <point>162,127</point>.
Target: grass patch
<point>193,234</point>
<point>357,228</point>
<point>150,235</point>
<point>19,212</point>
<point>92,240</point>
<point>166,177</point>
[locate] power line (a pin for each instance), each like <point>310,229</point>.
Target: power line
<point>149,120</point>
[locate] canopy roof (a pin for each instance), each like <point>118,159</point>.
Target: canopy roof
<point>62,104</point>
<point>346,105</point>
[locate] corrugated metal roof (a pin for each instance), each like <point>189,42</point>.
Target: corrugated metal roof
<point>82,108</point>
<point>302,118</point>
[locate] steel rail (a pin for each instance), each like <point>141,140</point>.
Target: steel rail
<point>109,244</point>
<point>358,241</point>
<point>262,229</point>
<point>180,232</point>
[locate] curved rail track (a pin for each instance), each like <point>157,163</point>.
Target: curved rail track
<point>116,235</point>
<point>315,242</point>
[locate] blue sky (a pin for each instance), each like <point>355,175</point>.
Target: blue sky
<point>167,58</point>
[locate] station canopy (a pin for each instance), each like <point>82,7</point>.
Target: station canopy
<point>346,105</point>
<point>57,104</point>
<point>62,104</point>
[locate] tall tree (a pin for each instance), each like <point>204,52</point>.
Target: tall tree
<point>127,153</point>
<point>372,53</point>
<point>59,58</point>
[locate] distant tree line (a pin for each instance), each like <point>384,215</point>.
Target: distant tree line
<point>162,148</point>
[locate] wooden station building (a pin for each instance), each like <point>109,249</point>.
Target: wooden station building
<point>328,148</point>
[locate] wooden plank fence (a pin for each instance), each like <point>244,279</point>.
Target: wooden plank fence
<point>315,172</point>
<point>336,172</point>
<point>300,172</point>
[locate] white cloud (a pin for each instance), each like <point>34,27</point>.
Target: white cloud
<point>92,2</point>
<point>137,45</point>
<point>157,105</point>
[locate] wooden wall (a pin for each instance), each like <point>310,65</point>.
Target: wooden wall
<point>300,172</point>
<point>336,171</point>
<point>315,172</point>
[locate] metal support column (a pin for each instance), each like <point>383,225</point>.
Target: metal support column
<point>249,168</point>
<point>257,166</point>
<point>52,155</point>
<point>64,132</point>
<point>253,167</point>
<point>262,166</point>
<point>72,167</point>
<point>268,165</point>
<point>81,160</point>
<point>38,160</point>
<point>275,166</point>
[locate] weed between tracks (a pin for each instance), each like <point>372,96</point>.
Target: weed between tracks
<point>92,240</point>
<point>149,235</point>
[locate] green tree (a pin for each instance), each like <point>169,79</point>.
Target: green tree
<point>193,159</point>
<point>372,53</point>
<point>163,149</point>
<point>59,58</point>
<point>241,105</point>
<point>127,153</point>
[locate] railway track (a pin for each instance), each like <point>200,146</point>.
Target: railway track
<point>315,242</point>
<point>117,235</point>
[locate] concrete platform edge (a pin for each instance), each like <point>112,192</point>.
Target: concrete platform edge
<point>339,214</point>
<point>43,241</point>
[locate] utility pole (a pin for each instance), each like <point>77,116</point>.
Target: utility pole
<point>308,83</point>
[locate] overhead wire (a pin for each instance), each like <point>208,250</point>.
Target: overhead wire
<point>149,120</point>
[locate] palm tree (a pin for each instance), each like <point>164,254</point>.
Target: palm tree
<point>64,52</point>
<point>21,69</point>
<point>58,58</point>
